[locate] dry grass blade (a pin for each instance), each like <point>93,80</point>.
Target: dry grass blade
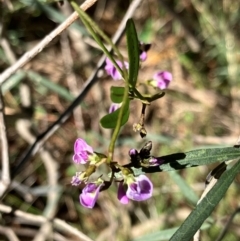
<point>5,175</point>
<point>39,47</point>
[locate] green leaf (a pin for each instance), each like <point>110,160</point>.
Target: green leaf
<point>185,189</point>
<point>110,121</point>
<point>117,94</point>
<point>13,81</point>
<point>166,234</point>
<point>194,158</point>
<point>206,206</point>
<point>133,52</point>
<point>178,161</point>
<point>158,236</point>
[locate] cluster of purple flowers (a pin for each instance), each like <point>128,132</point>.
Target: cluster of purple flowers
<point>161,79</point>
<point>137,188</point>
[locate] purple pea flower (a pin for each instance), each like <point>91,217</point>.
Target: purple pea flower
<point>138,189</point>
<point>111,70</point>
<point>113,107</point>
<point>161,79</point>
<point>81,151</point>
<point>89,194</point>
<point>141,189</point>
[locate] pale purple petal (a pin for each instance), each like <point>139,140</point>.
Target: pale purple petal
<point>76,180</point>
<point>141,189</point>
<point>109,66</point>
<point>115,74</point>
<point>113,107</point>
<point>156,161</point>
<point>122,197</point>
<point>80,158</point>
<point>133,152</point>
<point>89,195</point>
<point>143,56</point>
<point>81,151</point>
<point>111,70</point>
<point>162,79</point>
<point>80,145</point>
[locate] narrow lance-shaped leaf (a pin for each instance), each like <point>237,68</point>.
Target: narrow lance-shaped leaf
<point>178,161</point>
<point>162,235</point>
<point>194,158</point>
<point>206,206</point>
<point>133,52</point>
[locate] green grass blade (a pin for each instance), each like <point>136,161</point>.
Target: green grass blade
<point>13,81</point>
<point>158,236</point>
<point>50,85</point>
<point>185,189</point>
<point>206,206</point>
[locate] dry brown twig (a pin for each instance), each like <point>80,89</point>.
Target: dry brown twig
<point>9,233</point>
<point>71,79</point>
<point>53,194</point>
<point>32,219</point>
<point>5,175</point>
<point>39,47</point>
<point>23,126</point>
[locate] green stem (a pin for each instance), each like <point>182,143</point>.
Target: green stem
<point>118,125</point>
<point>92,27</point>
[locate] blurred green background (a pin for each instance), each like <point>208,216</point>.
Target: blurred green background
<point>198,41</point>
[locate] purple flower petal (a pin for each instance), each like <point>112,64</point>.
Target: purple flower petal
<point>156,161</point>
<point>109,66</point>
<point>76,180</point>
<point>111,70</point>
<point>141,189</point>
<point>81,151</point>
<point>89,195</point>
<point>122,197</point>
<point>143,56</point>
<point>114,107</point>
<point>162,79</point>
<point>133,152</point>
